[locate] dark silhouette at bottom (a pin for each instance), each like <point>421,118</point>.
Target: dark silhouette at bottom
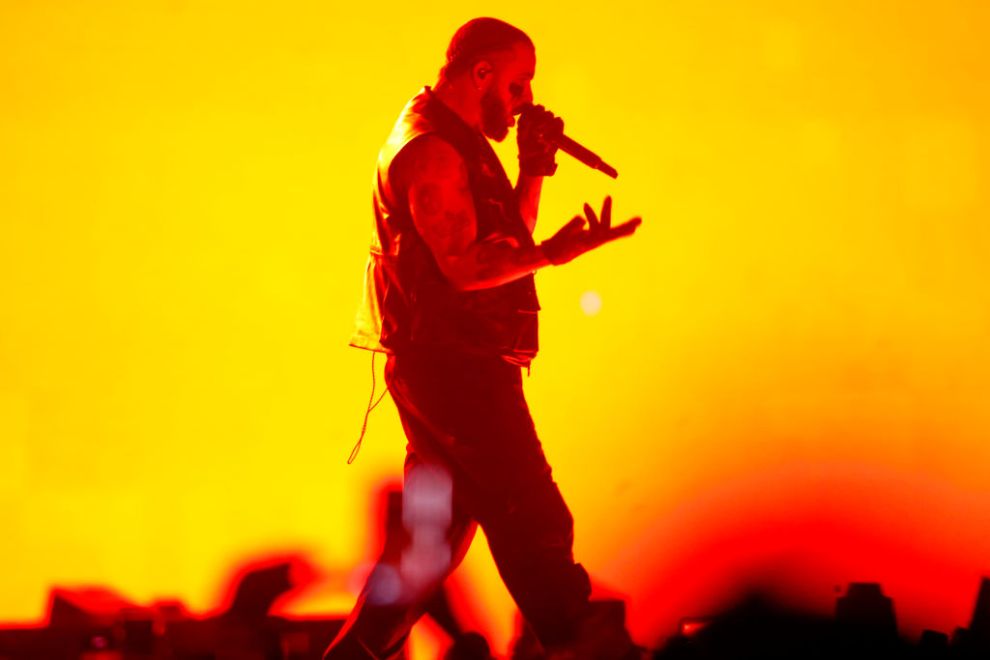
<point>864,626</point>
<point>97,624</point>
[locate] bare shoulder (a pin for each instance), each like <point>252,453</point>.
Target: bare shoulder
<point>440,200</point>
<point>435,178</point>
<point>429,158</point>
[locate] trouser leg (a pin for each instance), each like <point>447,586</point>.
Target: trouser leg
<point>409,571</point>
<point>470,415</point>
<point>532,549</point>
<point>467,418</point>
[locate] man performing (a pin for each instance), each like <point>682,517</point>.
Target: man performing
<point>450,298</point>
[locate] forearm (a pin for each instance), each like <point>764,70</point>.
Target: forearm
<point>490,264</point>
<point>528,189</point>
<point>442,209</point>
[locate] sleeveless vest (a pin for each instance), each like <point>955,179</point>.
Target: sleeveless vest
<point>408,303</point>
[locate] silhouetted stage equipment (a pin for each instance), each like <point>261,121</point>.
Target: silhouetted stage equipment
<point>864,627</point>
<point>97,624</point>
<point>979,624</point>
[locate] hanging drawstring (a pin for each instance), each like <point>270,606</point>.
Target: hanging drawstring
<point>372,404</point>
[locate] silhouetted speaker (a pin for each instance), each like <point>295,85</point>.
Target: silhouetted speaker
<point>865,611</point>
<point>258,589</point>
<point>88,606</point>
<point>979,625</point>
<point>139,636</point>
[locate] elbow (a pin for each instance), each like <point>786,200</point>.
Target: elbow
<point>461,284</point>
<point>459,278</point>
<point>471,280</point>
<point>465,282</point>
<point>470,274</point>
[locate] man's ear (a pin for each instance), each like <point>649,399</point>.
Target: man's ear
<point>481,74</point>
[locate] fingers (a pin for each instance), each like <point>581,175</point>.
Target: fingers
<point>529,113</point>
<point>596,224</point>
<point>567,243</point>
<point>592,218</point>
<point>575,226</point>
<point>625,229</point>
<point>540,120</point>
<point>600,230</point>
<point>607,213</point>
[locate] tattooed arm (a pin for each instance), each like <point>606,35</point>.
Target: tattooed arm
<point>443,212</point>
<point>436,181</point>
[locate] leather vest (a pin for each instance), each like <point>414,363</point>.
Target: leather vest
<point>408,303</point>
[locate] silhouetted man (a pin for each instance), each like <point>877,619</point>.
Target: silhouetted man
<point>450,298</point>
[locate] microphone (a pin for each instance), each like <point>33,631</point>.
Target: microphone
<point>579,151</point>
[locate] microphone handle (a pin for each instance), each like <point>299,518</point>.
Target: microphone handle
<point>585,155</point>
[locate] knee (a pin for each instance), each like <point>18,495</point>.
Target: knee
<point>539,514</point>
<point>430,539</point>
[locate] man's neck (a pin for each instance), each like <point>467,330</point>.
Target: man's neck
<point>460,102</point>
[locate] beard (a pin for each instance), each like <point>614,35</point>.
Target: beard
<point>494,116</point>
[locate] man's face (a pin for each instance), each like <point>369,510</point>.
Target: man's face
<point>510,90</point>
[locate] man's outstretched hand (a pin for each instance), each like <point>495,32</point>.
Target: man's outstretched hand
<point>574,239</point>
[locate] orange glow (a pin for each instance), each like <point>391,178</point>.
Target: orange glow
<point>785,384</point>
<point>689,628</point>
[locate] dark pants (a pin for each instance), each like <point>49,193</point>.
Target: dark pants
<point>473,458</point>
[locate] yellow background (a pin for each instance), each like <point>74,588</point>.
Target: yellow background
<point>786,385</point>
